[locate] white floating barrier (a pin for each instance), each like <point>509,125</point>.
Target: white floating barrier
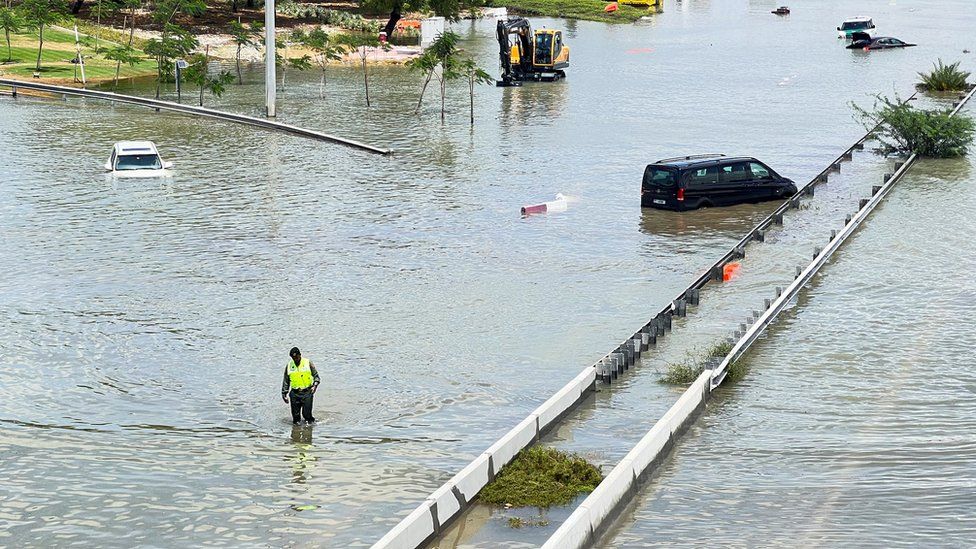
<point>558,205</point>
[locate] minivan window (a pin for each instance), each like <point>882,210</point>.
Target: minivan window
<point>701,176</point>
<point>759,171</point>
<point>658,177</point>
<point>736,173</point>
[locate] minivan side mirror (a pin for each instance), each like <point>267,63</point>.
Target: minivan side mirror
<point>838,28</point>
<point>108,166</point>
<point>167,165</point>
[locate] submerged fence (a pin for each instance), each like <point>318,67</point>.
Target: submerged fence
<point>593,516</point>
<point>189,109</point>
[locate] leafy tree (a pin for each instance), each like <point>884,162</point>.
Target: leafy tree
<point>198,73</point>
<point>475,75</point>
<point>10,21</point>
<point>440,60</point>
<point>930,133</point>
<point>361,44</point>
<point>282,62</point>
<point>174,41</point>
<point>122,54</point>
<point>426,64</point>
<point>244,36</point>
<point>326,50</point>
<point>39,14</point>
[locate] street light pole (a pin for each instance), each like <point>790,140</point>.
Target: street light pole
<point>270,83</point>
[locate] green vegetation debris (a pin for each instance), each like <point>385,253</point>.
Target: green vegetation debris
<point>944,78</point>
<point>304,507</point>
<point>905,129</point>
<point>541,477</point>
<point>519,522</point>
<point>695,362</point>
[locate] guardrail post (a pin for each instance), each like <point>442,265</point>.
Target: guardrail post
<point>760,236</point>
<point>833,234</point>
<point>816,251</point>
<point>875,189</point>
<point>859,146</point>
<point>862,203</point>
<point>645,341</point>
<point>740,251</point>
<point>847,220</point>
<point>667,322</point>
<point>799,270</point>
<point>808,190</point>
<point>767,302</point>
<point>778,218</point>
<point>694,296</point>
<point>898,165</point>
<point>822,178</point>
<point>848,156</point>
<point>794,203</point>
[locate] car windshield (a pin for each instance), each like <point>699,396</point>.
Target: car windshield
<point>855,25</point>
<point>659,177</point>
<point>139,162</point>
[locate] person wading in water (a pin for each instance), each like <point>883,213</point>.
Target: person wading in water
<point>301,377</point>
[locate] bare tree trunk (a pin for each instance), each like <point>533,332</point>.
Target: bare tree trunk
<point>322,85</point>
<point>240,78</point>
<point>98,23</point>
<point>471,89</point>
<point>366,76</point>
<point>9,55</point>
<point>443,93</point>
<point>392,22</point>
<point>423,90</point>
<point>40,45</point>
<point>203,81</point>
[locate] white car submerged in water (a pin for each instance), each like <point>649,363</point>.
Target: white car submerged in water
<point>856,24</point>
<point>137,159</point>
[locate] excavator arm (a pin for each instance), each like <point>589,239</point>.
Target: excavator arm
<point>518,26</point>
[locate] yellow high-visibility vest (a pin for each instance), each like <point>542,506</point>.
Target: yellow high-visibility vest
<point>300,377</point>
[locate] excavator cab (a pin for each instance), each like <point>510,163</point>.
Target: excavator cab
<point>527,55</point>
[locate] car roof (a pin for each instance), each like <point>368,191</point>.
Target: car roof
<point>711,160</point>
<point>135,147</point>
<point>858,19</point>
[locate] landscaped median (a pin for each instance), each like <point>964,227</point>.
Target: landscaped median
<point>59,54</point>
<point>591,10</point>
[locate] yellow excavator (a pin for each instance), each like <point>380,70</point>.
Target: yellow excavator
<point>527,55</point>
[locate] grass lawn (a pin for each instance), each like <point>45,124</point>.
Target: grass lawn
<point>59,51</point>
<point>591,10</point>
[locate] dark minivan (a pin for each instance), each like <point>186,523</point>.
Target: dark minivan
<point>705,180</point>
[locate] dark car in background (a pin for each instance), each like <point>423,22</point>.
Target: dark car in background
<point>691,182</point>
<point>863,41</point>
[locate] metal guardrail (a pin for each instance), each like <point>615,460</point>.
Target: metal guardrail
<point>189,109</point>
<point>596,512</point>
<point>445,504</point>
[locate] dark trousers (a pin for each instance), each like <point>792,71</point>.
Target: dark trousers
<point>301,402</point>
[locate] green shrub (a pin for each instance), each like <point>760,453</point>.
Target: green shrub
<point>682,373</point>
<point>542,477</point>
<point>931,133</point>
<point>944,78</point>
<point>325,16</point>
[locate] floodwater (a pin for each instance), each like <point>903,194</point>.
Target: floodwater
<point>144,324</point>
<point>855,423</point>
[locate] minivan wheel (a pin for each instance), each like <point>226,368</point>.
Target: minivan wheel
<point>705,204</point>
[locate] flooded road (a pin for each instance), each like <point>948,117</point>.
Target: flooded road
<point>144,324</point>
<point>854,425</point>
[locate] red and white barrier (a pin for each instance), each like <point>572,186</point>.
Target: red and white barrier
<point>558,205</point>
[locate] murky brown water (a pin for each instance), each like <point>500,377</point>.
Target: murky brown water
<point>143,324</point>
